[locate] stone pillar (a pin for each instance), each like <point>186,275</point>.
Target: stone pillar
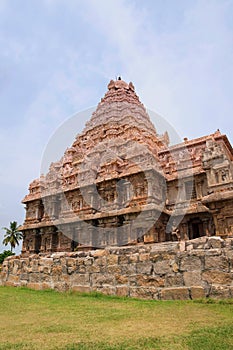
<point>206,227</point>
<point>184,231</point>
<point>150,187</point>
<point>59,246</point>
<point>128,192</point>
<point>55,240</point>
<point>199,189</point>
<point>33,241</point>
<point>181,192</point>
<point>37,246</point>
<point>37,204</point>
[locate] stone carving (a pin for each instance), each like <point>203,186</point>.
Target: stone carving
<point>120,165</point>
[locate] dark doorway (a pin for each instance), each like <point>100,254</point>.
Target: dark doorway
<point>195,229</point>
<point>37,241</point>
<point>74,245</point>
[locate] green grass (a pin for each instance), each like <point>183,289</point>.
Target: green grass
<point>72,321</point>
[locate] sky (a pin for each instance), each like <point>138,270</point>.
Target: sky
<point>57,57</point>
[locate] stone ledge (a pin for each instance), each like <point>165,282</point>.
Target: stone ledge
<point>148,272</point>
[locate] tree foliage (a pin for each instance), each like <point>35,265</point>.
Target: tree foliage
<point>12,235</point>
<point>4,255</point>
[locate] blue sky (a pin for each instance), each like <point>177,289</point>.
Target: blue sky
<point>57,56</point>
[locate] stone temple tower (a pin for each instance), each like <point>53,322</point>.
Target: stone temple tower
<point>120,183</point>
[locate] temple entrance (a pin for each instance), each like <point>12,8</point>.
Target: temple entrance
<point>74,245</point>
<point>195,228</point>
<point>37,242</point>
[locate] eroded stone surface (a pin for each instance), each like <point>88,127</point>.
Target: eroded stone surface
<point>142,276</point>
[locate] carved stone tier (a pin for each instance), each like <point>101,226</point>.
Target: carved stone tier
<point>120,183</point>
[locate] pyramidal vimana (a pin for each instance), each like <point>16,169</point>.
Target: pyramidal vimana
<point>120,183</point>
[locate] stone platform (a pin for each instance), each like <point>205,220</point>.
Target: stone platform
<point>173,270</point>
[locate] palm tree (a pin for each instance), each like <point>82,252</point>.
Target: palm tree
<point>12,235</point>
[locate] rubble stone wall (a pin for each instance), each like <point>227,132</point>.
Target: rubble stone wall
<point>173,270</point>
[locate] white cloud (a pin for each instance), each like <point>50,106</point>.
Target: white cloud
<point>178,56</point>
<point>179,73</point>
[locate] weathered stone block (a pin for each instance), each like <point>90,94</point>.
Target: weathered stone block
<point>145,280</point>
<point>128,269</point>
<point>122,291</point>
<point>34,277</point>
<point>11,284</point>
<point>14,278</point>
<point>142,293</point>
<point>80,279</point>
<point>192,278</point>
<point>175,267</point>
<point>190,263</point>
<point>56,270</point>
<point>70,269</point>
<point>99,253</point>
<point>15,267</point>
<point>217,277</point>
<point>70,262</point>
<point>23,283</point>
<point>108,290</point>
<point>178,293</point>
<point>144,256</point>
<point>154,256</point>
<point>112,269</point>
<point>81,289</point>
<point>24,276</point>
<point>222,292</point>
<point>101,261</point>
<point>229,254</point>
<point>197,292</point>
<point>36,286</point>
<point>46,285</point>
<point>134,258</point>
<point>144,268</point>
<point>65,268</point>
<point>120,279</point>
<point>133,280</point>
<point>123,259</point>
<point>61,286</point>
<point>162,267</point>
<point>57,255</point>
<point>175,279</point>
<point>215,242</point>
<point>44,269</point>
<point>46,261</point>
<point>88,261</point>
<point>217,262</point>
<point>98,279</point>
<point>65,278</point>
<point>81,269</point>
<point>93,268</point>
<point>213,252</point>
<point>112,259</point>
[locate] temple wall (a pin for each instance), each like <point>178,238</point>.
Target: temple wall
<point>172,270</point>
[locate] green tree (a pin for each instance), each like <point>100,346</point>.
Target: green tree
<point>12,235</point>
<point>4,255</point>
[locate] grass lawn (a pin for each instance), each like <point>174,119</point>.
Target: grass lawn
<point>51,320</point>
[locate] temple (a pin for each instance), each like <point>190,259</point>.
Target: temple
<point>120,183</point>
